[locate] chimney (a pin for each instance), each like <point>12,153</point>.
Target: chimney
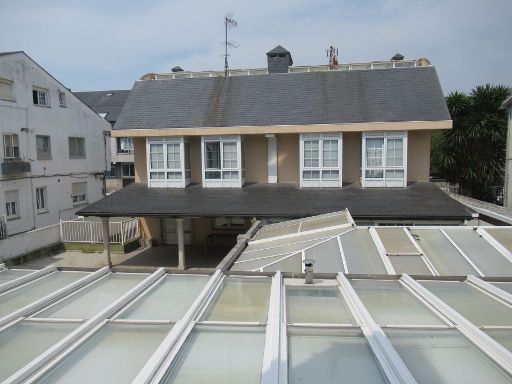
<point>397,57</point>
<point>177,69</point>
<point>279,59</point>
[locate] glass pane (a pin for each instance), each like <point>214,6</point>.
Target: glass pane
<point>330,357</point>
<point>395,153</point>
<point>316,305</point>
<point>311,154</point>
<point>330,175</point>
<point>502,336</point>
<point>327,257</point>
<point>229,158</point>
<point>483,254</point>
<point>330,153</point>
<point>23,342</point>
<point>361,253</point>
<point>212,155</point>
<point>173,156</point>
<point>220,355</point>
<point>240,299</point>
<point>474,305</point>
<point>294,239</point>
<point>27,294</point>
<point>396,241</point>
<point>290,264</point>
<point>374,152</point>
<point>503,235</point>
<point>441,253</point>
<point>94,298</point>
<point>212,175</point>
<point>9,275</point>
<point>412,265</point>
<point>176,291</point>
<point>257,264</point>
<point>324,222</point>
<point>390,303</point>
<point>277,231</point>
<point>282,250</point>
<point>156,154</point>
<point>114,354</point>
<point>374,174</point>
<point>444,356</point>
<point>394,174</point>
<point>311,175</point>
<point>505,286</point>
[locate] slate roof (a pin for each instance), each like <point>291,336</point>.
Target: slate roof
<point>387,95</point>
<point>9,53</point>
<point>99,102</point>
<point>418,201</point>
<point>278,49</point>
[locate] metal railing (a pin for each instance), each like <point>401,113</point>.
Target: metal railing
<point>91,231</point>
<point>3,226</point>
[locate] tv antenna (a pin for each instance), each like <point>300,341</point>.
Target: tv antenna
<point>229,23</point>
<point>332,54</point>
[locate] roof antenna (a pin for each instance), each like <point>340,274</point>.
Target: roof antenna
<point>229,23</point>
<point>332,54</point>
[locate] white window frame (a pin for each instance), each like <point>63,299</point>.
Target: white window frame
<point>223,182</point>
<point>43,96</point>
<point>124,145</point>
<point>12,207</point>
<point>8,83</point>
<point>321,181</point>
<point>8,139</point>
<point>62,98</point>
<point>79,198</point>
<point>47,155</point>
<point>385,181</point>
<point>75,139</point>
<point>185,177</point>
<point>41,199</point>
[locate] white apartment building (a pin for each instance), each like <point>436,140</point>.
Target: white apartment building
<point>54,149</point>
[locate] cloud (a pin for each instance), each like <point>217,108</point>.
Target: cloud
<point>99,45</point>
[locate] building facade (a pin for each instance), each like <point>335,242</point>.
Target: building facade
<point>53,153</point>
<point>508,157</point>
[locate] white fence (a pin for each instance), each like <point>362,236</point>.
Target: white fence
<point>26,242</point>
<point>3,227</point>
<point>91,231</point>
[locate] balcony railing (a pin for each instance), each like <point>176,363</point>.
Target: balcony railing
<point>91,231</point>
<point>14,166</point>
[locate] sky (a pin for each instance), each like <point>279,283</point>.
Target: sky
<point>108,44</point>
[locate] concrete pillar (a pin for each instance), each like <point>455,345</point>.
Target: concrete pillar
<point>272,157</point>
<point>106,239</point>
<point>181,244</point>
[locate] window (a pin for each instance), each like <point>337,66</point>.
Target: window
<point>41,202</point>
<point>11,205</point>
<point>128,170</point>
<point>321,160</point>
<point>124,145</point>
<point>43,147</point>
<point>62,99</point>
<point>11,146</point>
<point>168,162</point>
<point>223,161</point>
<point>6,90</point>
<point>228,223</point>
<point>384,159</point>
<point>40,97</point>
<point>79,192</point>
<point>76,148</point>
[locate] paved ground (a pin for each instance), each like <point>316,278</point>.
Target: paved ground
<point>158,256</point>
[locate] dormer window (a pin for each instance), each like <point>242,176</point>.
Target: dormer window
<point>222,161</point>
<point>40,97</point>
<point>168,162</point>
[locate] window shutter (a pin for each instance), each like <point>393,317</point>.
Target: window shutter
<point>78,188</point>
<point>11,196</point>
<point>5,90</point>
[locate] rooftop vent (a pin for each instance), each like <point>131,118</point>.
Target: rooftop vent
<point>279,59</point>
<point>308,269</point>
<point>397,57</point>
<point>177,69</point>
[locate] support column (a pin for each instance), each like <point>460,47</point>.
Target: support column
<point>272,157</point>
<point>181,244</point>
<point>106,239</point>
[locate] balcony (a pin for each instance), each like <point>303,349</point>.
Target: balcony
<point>15,166</point>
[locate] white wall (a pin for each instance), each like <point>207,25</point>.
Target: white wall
<point>30,241</point>
<point>57,174</point>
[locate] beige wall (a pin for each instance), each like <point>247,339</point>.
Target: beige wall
<point>418,156</point>
<point>256,159</point>
<point>139,153</point>
<point>352,157</point>
<point>288,158</point>
<point>200,229</point>
<point>152,229</point>
<point>195,160</point>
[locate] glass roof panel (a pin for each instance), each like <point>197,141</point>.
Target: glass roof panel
<point>169,300</point>
<point>324,222</point>
<point>35,290</point>
<point>361,253</point>
<point>483,254</point>
<point>327,257</point>
<point>276,231</point>
<point>474,305</point>
<point>396,241</point>
<point>413,265</point>
<point>220,355</point>
<point>503,235</point>
<point>441,253</point>
<point>257,264</point>
<point>23,342</point>
<point>316,305</point>
<point>444,356</point>
<point>507,287</point>
<point>290,264</point>
<point>330,357</point>
<point>94,298</point>
<point>11,274</point>
<point>240,299</point>
<point>389,303</point>
<point>114,354</point>
<point>502,336</point>
<point>284,249</point>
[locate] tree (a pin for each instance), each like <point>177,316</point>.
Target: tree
<point>472,153</point>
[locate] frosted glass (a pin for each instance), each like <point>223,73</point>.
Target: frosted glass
<point>220,355</point>
<point>504,236</point>
<point>23,342</point>
<point>474,305</point>
<point>330,357</point>
<point>94,298</point>
<point>502,336</point>
<point>483,254</point>
<point>115,354</point>
<point>35,290</point>
<point>324,222</point>
<point>327,257</point>
<point>389,303</point>
<point>277,231</point>
<point>290,264</point>
<point>413,265</point>
<point>396,241</point>
<point>316,305</point>
<point>288,248</point>
<point>361,253</point>
<point>8,275</point>
<point>240,299</point>
<point>444,356</point>
<point>507,287</point>
<point>169,300</point>
<point>442,254</point>
<point>257,264</point>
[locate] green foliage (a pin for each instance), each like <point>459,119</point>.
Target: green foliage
<point>472,154</point>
